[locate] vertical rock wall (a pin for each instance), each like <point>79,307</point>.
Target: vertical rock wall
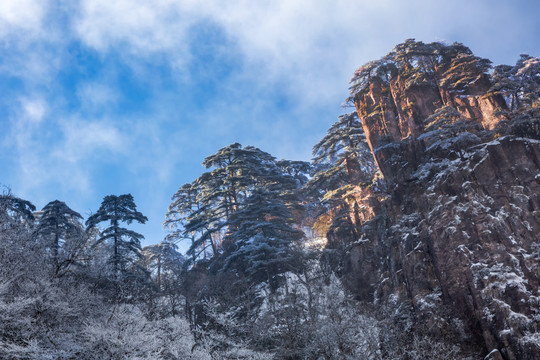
<point>457,238</point>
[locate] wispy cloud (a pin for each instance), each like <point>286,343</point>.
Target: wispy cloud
<point>21,17</point>
<point>33,110</point>
<point>26,122</point>
<point>140,28</point>
<point>83,138</point>
<point>57,152</point>
<point>97,95</point>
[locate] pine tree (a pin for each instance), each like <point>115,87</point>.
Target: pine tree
<point>17,246</point>
<point>201,210</point>
<point>528,74</point>
<point>126,244</point>
<point>519,84</point>
<point>464,71</point>
<point>343,159</point>
<point>163,258</point>
<point>448,134</point>
<point>184,204</point>
<point>443,67</point>
<point>345,146</point>
<point>344,165</point>
<point>57,224</point>
<point>260,246</point>
<point>16,208</point>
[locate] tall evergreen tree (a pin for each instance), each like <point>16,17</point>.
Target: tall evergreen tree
<point>344,162</point>
<point>201,210</point>
<point>260,246</point>
<point>16,208</point>
<point>448,134</point>
<point>345,146</point>
<point>17,246</point>
<point>519,84</point>
<point>58,223</point>
<point>163,258</point>
<point>246,210</point>
<point>343,158</point>
<point>184,204</point>
<point>126,244</point>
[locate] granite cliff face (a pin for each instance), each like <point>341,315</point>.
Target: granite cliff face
<point>451,246</point>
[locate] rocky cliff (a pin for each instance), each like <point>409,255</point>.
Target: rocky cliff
<point>451,246</point>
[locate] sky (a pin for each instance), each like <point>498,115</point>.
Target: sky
<point>101,97</point>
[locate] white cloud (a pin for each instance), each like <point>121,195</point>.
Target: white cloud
<point>142,28</point>
<point>34,109</point>
<point>63,163</point>
<point>97,95</point>
<point>22,142</point>
<point>309,48</point>
<point>21,15</point>
<point>83,139</point>
<point>33,41</point>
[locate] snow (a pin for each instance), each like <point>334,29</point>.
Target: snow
<point>393,145</point>
<point>492,352</point>
<point>419,247</point>
<point>527,140</point>
<point>465,250</point>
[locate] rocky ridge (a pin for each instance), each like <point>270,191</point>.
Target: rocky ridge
<point>450,247</point>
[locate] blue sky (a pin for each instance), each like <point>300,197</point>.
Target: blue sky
<point>102,97</point>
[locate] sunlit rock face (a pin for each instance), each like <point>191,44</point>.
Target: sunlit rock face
<point>454,247</point>
<point>394,115</point>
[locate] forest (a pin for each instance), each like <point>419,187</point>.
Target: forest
<point>307,260</point>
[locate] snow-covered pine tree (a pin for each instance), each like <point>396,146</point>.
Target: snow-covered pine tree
<point>444,67</point>
<point>345,146</point>
<point>162,258</point>
<point>16,208</point>
<point>465,69</point>
<point>260,245</point>
<point>518,84</point>
<point>200,210</point>
<point>17,247</point>
<point>344,162</point>
<point>184,204</point>
<point>58,223</point>
<point>126,244</point>
<point>448,135</point>
<point>217,195</point>
<point>298,170</point>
